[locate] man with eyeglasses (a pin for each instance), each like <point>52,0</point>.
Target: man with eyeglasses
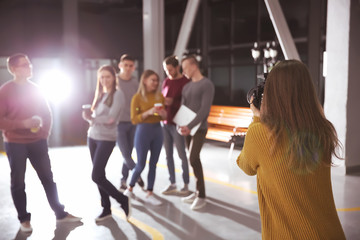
<point>25,121</point>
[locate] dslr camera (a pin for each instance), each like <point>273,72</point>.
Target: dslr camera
<point>257,92</point>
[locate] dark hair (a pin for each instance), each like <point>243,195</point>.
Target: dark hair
<point>292,112</point>
<point>13,60</point>
<point>171,60</point>
<point>99,92</point>
<point>127,57</point>
<point>192,59</point>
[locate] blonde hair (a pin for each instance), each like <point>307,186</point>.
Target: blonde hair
<point>142,89</point>
<point>99,92</point>
<point>293,113</point>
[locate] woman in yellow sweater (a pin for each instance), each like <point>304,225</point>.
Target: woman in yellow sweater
<point>289,147</point>
<point>146,113</point>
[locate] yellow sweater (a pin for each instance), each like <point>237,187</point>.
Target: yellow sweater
<point>292,206</point>
<point>140,105</point>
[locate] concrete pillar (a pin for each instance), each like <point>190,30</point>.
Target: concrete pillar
<point>342,84</point>
<point>153,28</point>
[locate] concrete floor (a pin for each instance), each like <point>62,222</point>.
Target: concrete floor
<point>231,212</point>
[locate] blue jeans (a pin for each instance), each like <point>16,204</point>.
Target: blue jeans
<point>37,152</point>
<point>125,141</point>
<point>100,152</point>
<point>171,136</point>
<point>148,136</point>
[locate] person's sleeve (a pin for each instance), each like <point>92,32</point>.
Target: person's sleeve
<point>163,86</point>
<point>206,102</point>
<point>248,159</point>
<point>7,124</point>
<point>45,115</point>
<point>135,111</point>
<point>115,109</point>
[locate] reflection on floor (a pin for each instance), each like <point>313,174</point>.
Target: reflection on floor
<point>231,212</point>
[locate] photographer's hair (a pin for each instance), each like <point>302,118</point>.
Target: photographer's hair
<point>13,60</point>
<point>99,92</point>
<point>192,59</point>
<point>127,57</point>
<point>142,89</point>
<point>293,113</point>
<point>171,60</point>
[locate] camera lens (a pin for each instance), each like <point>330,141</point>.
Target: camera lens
<point>250,94</point>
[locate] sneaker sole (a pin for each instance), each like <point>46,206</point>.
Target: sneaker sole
<point>198,207</point>
<point>188,200</point>
<point>179,193</point>
<point>26,229</point>
<point>103,218</point>
<point>69,220</point>
<point>170,192</point>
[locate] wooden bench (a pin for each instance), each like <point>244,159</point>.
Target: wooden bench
<point>228,124</point>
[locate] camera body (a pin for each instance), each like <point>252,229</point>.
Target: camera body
<point>257,93</point>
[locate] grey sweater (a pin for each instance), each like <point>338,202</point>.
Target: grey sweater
<point>128,88</point>
<point>198,96</point>
<point>99,129</point>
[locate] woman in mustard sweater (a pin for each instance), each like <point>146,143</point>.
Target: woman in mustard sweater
<point>148,136</point>
<point>289,147</point>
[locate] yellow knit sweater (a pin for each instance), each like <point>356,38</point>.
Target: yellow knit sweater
<point>292,205</point>
<point>140,105</point>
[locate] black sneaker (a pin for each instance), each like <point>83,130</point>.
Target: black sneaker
<point>140,182</point>
<point>126,206</point>
<point>104,215</point>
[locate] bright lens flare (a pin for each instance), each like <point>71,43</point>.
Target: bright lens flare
<point>55,85</point>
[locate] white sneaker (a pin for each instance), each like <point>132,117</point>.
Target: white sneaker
<point>190,198</point>
<point>26,227</point>
<point>129,194</point>
<point>152,200</point>
<point>198,203</point>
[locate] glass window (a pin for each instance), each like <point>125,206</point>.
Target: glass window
<point>297,15</point>
<point>245,21</point>
<point>243,56</point>
<point>219,57</point>
<point>244,78</point>
<point>220,77</point>
<point>219,22</point>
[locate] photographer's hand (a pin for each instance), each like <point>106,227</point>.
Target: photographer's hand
<point>255,111</point>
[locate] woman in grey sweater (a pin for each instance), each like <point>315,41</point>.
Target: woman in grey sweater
<point>103,118</point>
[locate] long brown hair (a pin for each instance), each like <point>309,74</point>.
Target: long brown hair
<point>99,92</point>
<point>293,113</point>
<point>142,89</point>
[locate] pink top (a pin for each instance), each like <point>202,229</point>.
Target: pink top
<point>17,103</point>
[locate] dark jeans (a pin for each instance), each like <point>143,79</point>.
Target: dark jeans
<point>100,152</point>
<point>194,144</point>
<point>125,141</point>
<point>37,152</point>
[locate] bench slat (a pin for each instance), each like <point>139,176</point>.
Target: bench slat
<point>226,121</point>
